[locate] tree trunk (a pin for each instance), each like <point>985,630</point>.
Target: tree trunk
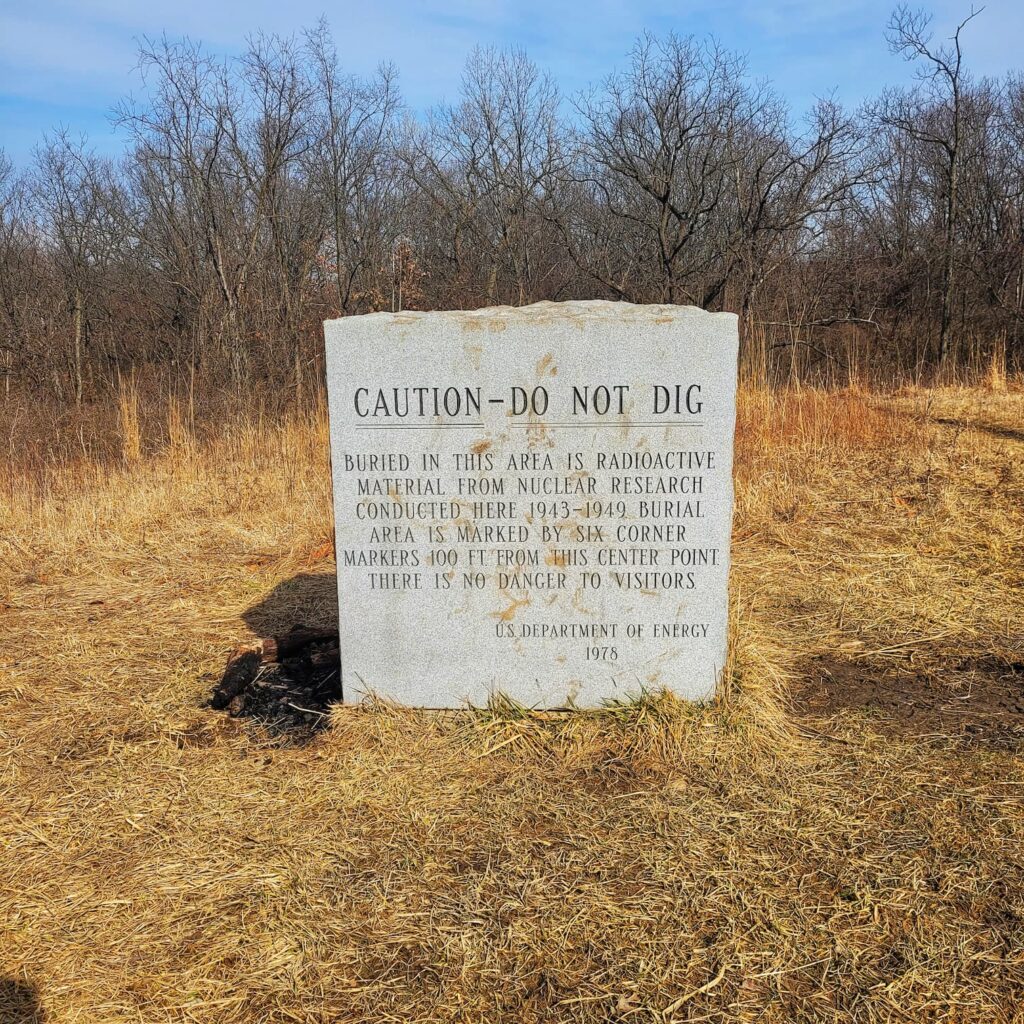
<point>952,212</point>
<point>77,317</point>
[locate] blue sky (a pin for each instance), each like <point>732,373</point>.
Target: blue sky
<point>66,63</point>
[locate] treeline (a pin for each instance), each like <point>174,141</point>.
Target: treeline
<point>259,195</point>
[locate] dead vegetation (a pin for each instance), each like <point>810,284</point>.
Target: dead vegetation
<point>257,193</point>
<point>779,856</point>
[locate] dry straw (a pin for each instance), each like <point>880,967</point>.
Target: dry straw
<point>647,862</point>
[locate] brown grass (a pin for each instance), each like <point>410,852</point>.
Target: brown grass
<point>652,862</point>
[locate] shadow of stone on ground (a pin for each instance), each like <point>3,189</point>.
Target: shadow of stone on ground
<point>19,1003</point>
<point>308,599</point>
<point>993,429</point>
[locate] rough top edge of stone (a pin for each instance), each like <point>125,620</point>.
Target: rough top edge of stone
<point>577,309</point>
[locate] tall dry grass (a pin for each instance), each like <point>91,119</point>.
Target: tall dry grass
<point>648,862</point>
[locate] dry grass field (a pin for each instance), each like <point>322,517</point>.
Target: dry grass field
<point>839,837</point>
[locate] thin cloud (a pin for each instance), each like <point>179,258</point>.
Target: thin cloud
<point>58,51</point>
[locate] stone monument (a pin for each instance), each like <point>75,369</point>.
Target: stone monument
<point>532,501</point>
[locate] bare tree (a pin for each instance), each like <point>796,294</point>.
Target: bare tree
<point>489,167</point>
<point>786,189</point>
<point>14,288</point>
<point>218,150</point>
<point>657,155</point>
<point>183,168</point>
<point>73,189</point>
<point>265,191</point>
<point>269,147</point>
<point>943,79</point>
<point>698,181</point>
<point>353,172</point>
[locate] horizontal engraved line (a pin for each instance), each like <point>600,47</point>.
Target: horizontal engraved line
<point>426,426</point>
<point>586,425</point>
<point>629,423</point>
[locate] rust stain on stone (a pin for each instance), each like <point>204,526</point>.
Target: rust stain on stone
<point>546,366</point>
<point>577,602</point>
<point>492,324</point>
<point>475,352</point>
<point>479,447</point>
<point>510,612</point>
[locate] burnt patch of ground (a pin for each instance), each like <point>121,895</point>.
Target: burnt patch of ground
<point>287,683</point>
<point>976,700</point>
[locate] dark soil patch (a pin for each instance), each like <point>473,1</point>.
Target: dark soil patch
<point>288,683</point>
<point>979,701</point>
